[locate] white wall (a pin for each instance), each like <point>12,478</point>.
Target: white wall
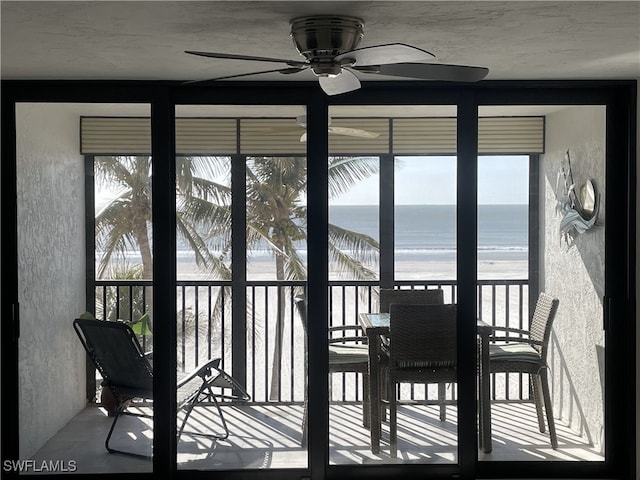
<point>51,265</point>
<point>574,273</point>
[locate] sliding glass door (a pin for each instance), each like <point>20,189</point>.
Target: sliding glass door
<point>85,236</point>
<point>285,233</point>
<point>241,280</point>
<point>392,219</point>
<point>541,227</point>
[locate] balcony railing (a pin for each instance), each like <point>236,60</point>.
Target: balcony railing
<point>273,357</point>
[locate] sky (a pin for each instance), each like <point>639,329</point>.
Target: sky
<point>431,181</point>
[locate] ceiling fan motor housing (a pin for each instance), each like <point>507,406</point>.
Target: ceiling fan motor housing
<point>320,38</point>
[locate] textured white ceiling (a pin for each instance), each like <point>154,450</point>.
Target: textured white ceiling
<point>146,40</point>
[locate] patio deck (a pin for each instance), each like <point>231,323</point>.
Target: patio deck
<point>268,436</point>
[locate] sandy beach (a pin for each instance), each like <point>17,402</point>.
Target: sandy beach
<point>405,270</point>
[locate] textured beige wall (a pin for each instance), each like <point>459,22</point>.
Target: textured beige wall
<point>51,265</point>
<point>574,273</point>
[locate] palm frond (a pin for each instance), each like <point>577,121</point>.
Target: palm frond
<point>345,172</point>
<point>347,265</point>
<point>362,247</point>
<point>204,257</point>
<point>294,267</point>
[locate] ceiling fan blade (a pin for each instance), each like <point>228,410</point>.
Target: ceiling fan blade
<point>348,132</point>
<point>384,54</point>
<point>345,82</point>
<point>278,70</point>
<point>429,71</point>
<point>230,56</point>
<point>353,132</point>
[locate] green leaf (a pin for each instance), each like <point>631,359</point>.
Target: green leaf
<point>87,315</point>
<point>142,326</point>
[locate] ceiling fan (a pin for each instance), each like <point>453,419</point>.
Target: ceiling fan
<point>301,120</point>
<point>329,44</point>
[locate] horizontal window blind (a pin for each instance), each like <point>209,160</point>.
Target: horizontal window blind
<point>424,136</point>
<point>206,135</point>
<point>115,135</point>
<point>282,136</point>
<point>511,135</point>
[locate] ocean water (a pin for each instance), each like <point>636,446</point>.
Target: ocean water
<point>428,232</point>
<point>425,232</point>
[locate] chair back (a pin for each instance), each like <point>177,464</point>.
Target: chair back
<point>422,335</point>
<point>117,355</point>
<point>541,322</point>
<point>423,296</point>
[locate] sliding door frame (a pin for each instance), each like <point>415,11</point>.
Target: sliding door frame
<point>620,258</point>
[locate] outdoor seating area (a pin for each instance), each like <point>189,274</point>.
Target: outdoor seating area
<point>268,436</point>
<point>235,429</point>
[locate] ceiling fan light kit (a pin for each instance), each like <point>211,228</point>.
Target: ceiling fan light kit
<point>329,44</point>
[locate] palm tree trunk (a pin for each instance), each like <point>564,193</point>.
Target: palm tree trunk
<point>277,352</point>
<point>142,237</point>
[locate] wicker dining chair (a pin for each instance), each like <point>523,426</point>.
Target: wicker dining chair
<point>348,352</point>
<point>515,350</point>
<point>422,348</point>
<point>413,296</point>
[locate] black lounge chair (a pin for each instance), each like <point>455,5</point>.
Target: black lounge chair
<point>128,373</point>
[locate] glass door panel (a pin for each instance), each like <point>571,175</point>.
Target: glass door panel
<point>353,271</point>
<point>425,219</point>
<point>392,217</point>
<point>541,231</point>
<point>425,249</point>
<point>241,210</point>
<point>84,236</point>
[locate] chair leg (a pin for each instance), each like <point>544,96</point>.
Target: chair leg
<point>393,420</point>
<point>304,441</point>
<point>117,415</point>
<point>548,408</point>
<point>366,401</point>
<point>383,387</point>
<point>442,394</point>
<point>538,400</point>
<point>192,402</point>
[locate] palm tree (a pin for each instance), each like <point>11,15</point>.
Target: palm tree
<point>276,187</point>
<point>124,223</point>
<point>276,215</point>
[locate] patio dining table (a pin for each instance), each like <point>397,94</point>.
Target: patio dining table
<point>375,326</point>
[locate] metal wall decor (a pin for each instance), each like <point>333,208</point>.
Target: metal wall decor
<point>578,204</point>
